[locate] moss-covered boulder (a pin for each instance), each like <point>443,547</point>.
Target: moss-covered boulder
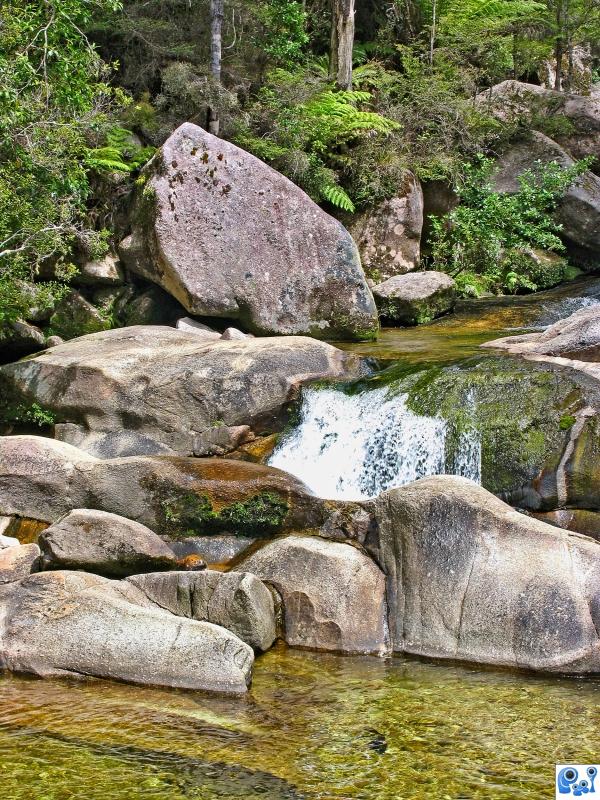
<point>415,298</point>
<point>540,447</point>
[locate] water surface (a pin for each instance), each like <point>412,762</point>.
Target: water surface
<point>314,726</point>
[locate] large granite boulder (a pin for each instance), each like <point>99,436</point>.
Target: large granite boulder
<point>576,337</point>
<point>97,541</point>
<point>44,479</point>
<point>229,237</point>
<point>389,235</point>
<point>579,210</point>
<point>74,624</point>
<point>333,594</point>
<point>153,389</point>
<point>17,561</point>
<point>416,298</point>
<point>471,579</point>
<point>237,601</point>
<point>514,101</point>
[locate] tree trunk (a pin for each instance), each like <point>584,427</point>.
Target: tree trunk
<point>559,45</point>
<point>433,31</point>
<point>216,25</point>
<point>342,41</point>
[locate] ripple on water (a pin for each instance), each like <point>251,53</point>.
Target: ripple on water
<point>313,726</point>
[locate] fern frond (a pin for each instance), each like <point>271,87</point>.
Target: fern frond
<point>337,197</point>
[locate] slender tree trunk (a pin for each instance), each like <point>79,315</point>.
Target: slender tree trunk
<point>559,45</point>
<point>342,42</point>
<point>216,26</point>
<point>433,32</point>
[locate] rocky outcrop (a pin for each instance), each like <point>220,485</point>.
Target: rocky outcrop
<point>17,561</point>
<point>579,210</point>
<point>229,237</point>
<point>471,579</point>
<point>107,544</point>
<point>512,101</point>
<point>576,337</point>
<point>333,595</point>
<point>389,235</point>
<point>152,389</point>
<point>416,298</point>
<point>44,479</point>
<point>74,624</point>
<point>237,601</point>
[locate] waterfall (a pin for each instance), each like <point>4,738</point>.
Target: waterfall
<point>355,446</point>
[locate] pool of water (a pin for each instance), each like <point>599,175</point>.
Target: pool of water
<point>460,335</point>
<point>313,726</point>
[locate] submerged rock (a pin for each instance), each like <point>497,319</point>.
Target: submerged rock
<point>415,298</point>
<point>471,579</point>
<point>333,595</point>
<point>237,601</point>
<point>74,624</point>
<point>153,389</point>
<point>230,237</point>
<point>97,541</point>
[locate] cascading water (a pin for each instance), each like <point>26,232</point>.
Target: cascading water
<point>355,446</point>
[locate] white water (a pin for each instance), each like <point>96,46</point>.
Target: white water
<point>353,447</point>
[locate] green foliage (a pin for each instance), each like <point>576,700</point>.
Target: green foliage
<point>54,113</point>
<point>119,153</point>
<point>284,37</point>
<point>189,514</point>
<point>307,129</point>
<point>23,414</point>
<point>486,242</point>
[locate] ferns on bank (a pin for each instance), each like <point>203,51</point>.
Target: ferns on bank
<point>308,137</point>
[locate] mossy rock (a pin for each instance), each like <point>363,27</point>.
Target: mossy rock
<point>75,316</point>
<point>524,413</point>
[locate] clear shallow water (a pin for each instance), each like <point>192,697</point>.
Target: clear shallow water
<point>313,726</point>
<point>459,335</point>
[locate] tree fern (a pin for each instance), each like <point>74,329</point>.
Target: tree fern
<point>119,154</point>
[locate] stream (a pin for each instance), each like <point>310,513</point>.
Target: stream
<point>322,726</point>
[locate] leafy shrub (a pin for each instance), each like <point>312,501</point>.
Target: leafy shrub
<point>485,242</point>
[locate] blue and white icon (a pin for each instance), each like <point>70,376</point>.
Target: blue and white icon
<point>577,780</point>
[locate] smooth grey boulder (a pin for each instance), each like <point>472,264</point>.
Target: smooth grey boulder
<point>579,210</point>
<point>105,271</point>
<point>470,578</point>
<point>333,595</point>
<point>389,235</point>
<point>152,389</point>
<point>19,339</point>
<point>97,541</point>
<point>17,561</point>
<point>41,478</point>
<point>576,337</point>
<point>74,624</point>
<point>230,237</point>
<point>44,480</point>
<point>237,601</point>
<point>415,298</point>
<point>190,325</point>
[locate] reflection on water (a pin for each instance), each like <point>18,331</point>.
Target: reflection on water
<point>313,726</point>
<point>459,335</point>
